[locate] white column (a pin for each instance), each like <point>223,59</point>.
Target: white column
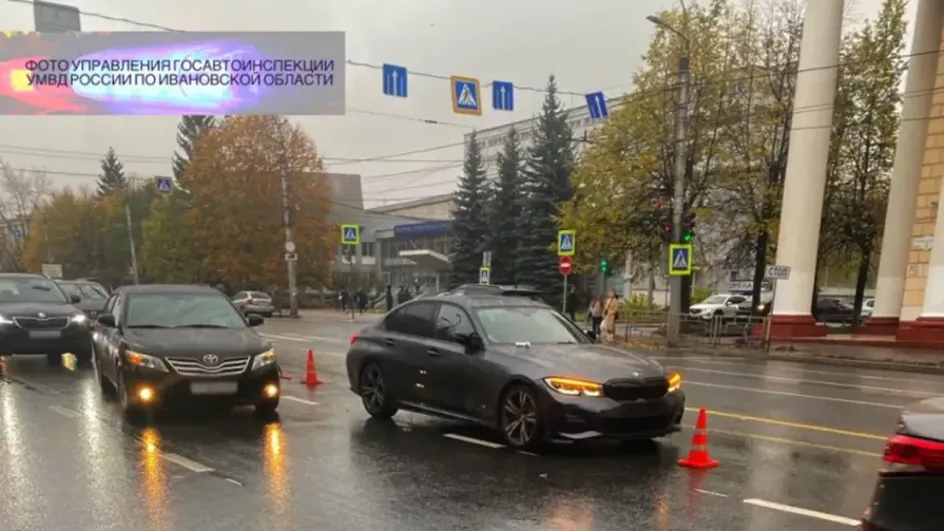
<point>934,288</point>
<point>909,155</point>
<point>805,181</point>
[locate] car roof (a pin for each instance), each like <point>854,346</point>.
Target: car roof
<point>22,275</point>
<point>486,300</point>
<point>151,289</point>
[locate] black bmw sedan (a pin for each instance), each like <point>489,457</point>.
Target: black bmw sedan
<point>166,345</point>
<point>513,364</point>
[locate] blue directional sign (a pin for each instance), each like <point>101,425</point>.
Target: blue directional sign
<point>680,259</point>
<point>394,80</point>
<point>566,243</point>
<point>165,185</point>
<point>466,95</point>
<point>350,234</point>
<point>503,95</point>
<point>484,274</point>
<point>596,102</point>
<point>17,234</point>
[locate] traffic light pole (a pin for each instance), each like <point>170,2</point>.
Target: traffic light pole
<point>678,199</point>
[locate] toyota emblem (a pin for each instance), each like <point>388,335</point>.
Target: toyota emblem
<point>211,359</point>
<point>41,315</point>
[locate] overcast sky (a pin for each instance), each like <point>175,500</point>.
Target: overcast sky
<point>589,44</point>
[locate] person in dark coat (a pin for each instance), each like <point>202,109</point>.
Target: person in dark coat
<point>388,297</point>
<point>403,295</point>
<point>572,302</point>
<point>361,300</point>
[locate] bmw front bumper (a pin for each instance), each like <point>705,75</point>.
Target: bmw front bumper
<point>589,417</point>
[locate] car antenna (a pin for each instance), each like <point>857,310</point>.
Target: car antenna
<point>523,344</point>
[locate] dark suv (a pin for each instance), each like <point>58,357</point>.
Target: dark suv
<point>38,318</point>
<point>503,291</point>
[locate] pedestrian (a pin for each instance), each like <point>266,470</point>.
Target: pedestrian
<point>361,300</point>
<point>610,310</point>
<point>596,316</point>
<point>403,295</point>
<point>388,297</point>
<point>572,302</point>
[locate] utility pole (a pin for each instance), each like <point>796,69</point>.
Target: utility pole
<point>49,259</point>
<point>289,241</point>
<point>678,199</point>
<point>134,254</point>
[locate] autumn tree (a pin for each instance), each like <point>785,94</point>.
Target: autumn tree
<point>470,226</point>
<point>112,180</point>
<point>167,248</point>
<point>65,230</point>
<point>22,192</point>
<point>504,212</point>
<point>237,216</point>
<point>190,128</point>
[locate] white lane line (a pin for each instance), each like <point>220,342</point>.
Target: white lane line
<point>711,493</point>
<point>522,452</point>
<point>234,482</point>
<point>777,365</point>
<point>304,339</point>
<point>479,442</point>
<point>795,395</point>
<point>286,338</point>
<point>299,400</point>
<point>64,412</point>
<point>842,385</point>
<point>803,512</point>
<point>192,466</point>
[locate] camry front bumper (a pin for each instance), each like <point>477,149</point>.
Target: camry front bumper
<point>584,417</point>
<point>173,390</point>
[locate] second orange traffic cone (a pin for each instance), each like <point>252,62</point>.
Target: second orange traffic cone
<point>311,373</point>
<point>698,457</point>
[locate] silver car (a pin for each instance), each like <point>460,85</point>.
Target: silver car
<point>254,303</point>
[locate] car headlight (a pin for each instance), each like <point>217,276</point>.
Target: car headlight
<point>79,318</point>
<point>144,361</point>
<point>261,360</point>
<point>5,320</point>
<point>573,387</point>
<point>675,381</point>
<point>760,307</point>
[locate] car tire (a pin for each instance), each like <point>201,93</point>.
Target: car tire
<point>375,395</point>
<point>131,412</point>
<point>521,420</point>
<point>105,387</point>
<point>83,358</point>
<point>266,408</point>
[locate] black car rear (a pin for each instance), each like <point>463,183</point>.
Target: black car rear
<point>910,486</point>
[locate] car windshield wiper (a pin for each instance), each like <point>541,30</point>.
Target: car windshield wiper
<point>147,326</point>
<point>200,326</point>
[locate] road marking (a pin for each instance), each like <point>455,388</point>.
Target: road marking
<point>710,493</point>
<point>463,438</point>
<point>192,466</point>
<point>65,412</point>
<point>803,512</point>
<point>792,442</point>
<point>797,395</point>
<point>788,424</point>
<point>776,365</point>
<point>234,482</point>
<point>299,400</point>
<point>842,385</point>
<point>304,339</point>
<point>522,452</point>
<point>286,338</point>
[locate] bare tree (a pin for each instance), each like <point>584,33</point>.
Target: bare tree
<point>21,193</point>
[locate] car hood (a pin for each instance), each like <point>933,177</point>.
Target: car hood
<point>195,342</point>
<point>51,309</point>
<point>593,362</point>
<point>925,419</point>
<point>702,307</point>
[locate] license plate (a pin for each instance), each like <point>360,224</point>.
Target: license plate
<point>214,388</point>
<point>45,334</point>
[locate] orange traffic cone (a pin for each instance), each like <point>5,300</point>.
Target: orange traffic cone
<point>698,457</point>
<point>311,373</point>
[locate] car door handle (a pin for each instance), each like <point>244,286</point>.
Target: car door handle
<point>390,342</point>
<point>432,352</point>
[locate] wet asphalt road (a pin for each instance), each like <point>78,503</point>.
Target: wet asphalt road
<point>798,446</point>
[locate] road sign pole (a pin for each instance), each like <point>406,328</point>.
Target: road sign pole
<point>134,255</point>
<point>773,294</point>
<point>678,199</point>
<point>287,224</point>
<point>564,298</point>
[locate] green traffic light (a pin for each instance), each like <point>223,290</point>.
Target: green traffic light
<point>688,237</point>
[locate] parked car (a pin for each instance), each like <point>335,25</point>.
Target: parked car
<point>254,302</point>
<point>762,310</point>
<point>721,305</point>
<point>868,306</point>
<point>92,296</point>
<point>910,486</point>
<point>832,310</point>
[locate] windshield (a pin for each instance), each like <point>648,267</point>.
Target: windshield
<point>28,289</point>
<point>715,299</point>
<point>528,325</point>
<point>93,291</point>
<point>71,289</point>
<point>259,295</point>
<point>182,310</point>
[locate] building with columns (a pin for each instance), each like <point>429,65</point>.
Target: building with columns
<point>909,298</point>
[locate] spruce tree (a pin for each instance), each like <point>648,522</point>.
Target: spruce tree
<point>505,212</point>
<point>112,179</point>
<point>469,222</point>
<point>188,130</point>
<point>546,185</point>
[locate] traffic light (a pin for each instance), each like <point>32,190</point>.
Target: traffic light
<point>605,266</point>
<point>688,227</point>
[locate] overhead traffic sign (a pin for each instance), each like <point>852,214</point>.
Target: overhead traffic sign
<point>503,95</point>
<point>680,259</point>
<point>165,185</point>
<point>394,80</point>
<point>350,234</point>
<point>566,242</point>
<point>596,102</point>
<point>485,274</point>
<point>565,265</point>
<point>466,95</point>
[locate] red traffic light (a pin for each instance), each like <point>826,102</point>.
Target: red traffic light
<point>666,228</point>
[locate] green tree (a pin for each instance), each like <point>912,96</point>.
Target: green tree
<point>112,180</point>
<point>469,223</point>
<point>188,131</point>
<point>504,213</point>
<point>167,250</point>
<point>545,187</point>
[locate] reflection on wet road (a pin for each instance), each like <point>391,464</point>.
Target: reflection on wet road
<point>798,446</point>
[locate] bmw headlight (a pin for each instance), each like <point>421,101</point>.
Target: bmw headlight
<point>144,361</point>
<point>674,382</point>
<point>574,387</point>
<point>79,318</point>
<point>264,359</point>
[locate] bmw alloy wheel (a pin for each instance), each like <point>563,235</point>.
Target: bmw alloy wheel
<point>374,393</point>
<point>520,421</point>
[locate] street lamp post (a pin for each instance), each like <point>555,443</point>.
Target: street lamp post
<point>678,196</point>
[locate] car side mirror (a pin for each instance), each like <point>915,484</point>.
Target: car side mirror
<point>472,342</point>
<point>254,320</point>
<point>75,299</point>
<point>107,320</point>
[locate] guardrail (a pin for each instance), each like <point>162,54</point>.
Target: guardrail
<point>650,327</point>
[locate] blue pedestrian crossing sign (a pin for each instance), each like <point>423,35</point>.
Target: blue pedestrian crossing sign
<point>680,259</point>
<point>484,275</point>
<point>165,185</point>
<point>350,234</point>
<point>466,95</point>
<point>566,243</point>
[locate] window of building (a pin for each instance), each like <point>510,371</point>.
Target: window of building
<point>367,248</point>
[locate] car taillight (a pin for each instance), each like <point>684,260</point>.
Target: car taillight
<point>353,338</point>
<point>910,454</point>
<point>250,301</point>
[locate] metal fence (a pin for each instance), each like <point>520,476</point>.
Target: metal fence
<point>649,328</point>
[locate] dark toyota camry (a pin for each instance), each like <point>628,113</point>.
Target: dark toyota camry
<point>514,364</point>
<point>164,346</point>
